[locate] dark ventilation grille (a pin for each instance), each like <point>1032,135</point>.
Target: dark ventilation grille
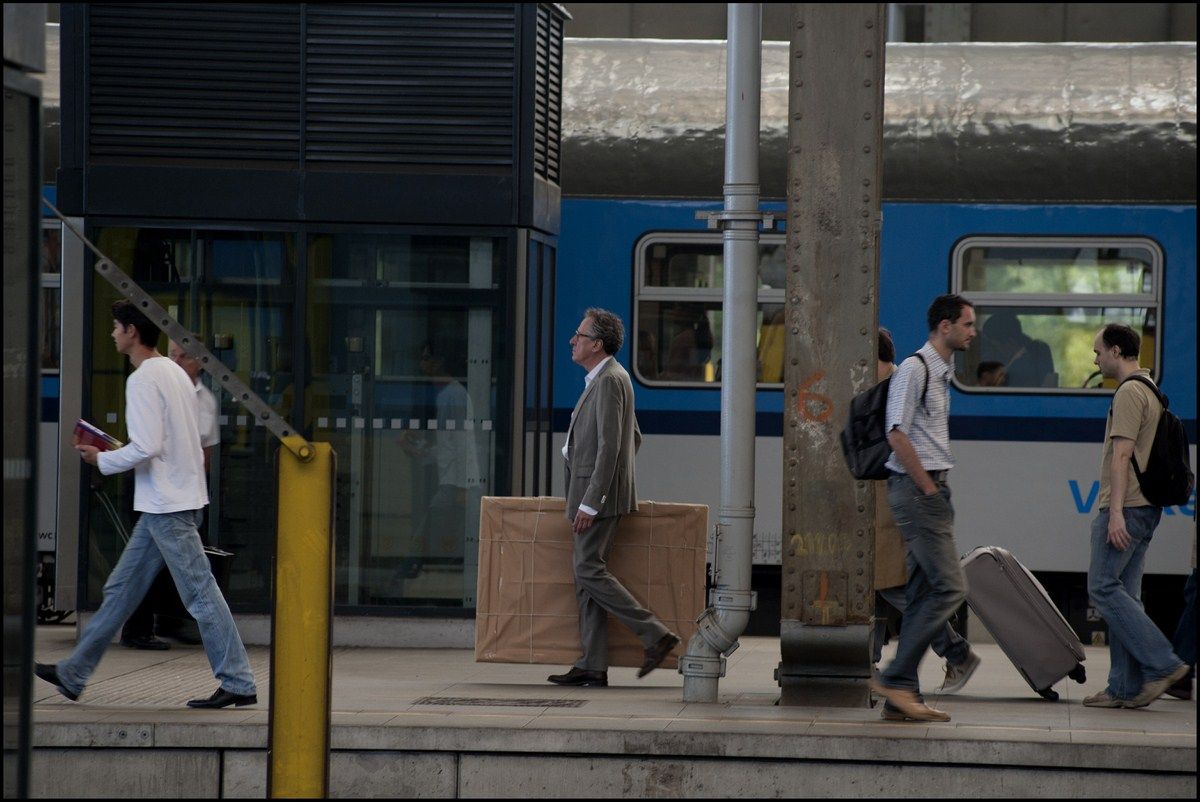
<point>410,85</point>
<point>185,82</point>
<point>547,122</point>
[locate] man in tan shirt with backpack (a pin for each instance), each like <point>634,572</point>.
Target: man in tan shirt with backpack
<point>1143,664</point>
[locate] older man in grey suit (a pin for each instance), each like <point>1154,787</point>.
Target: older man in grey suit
<point>601,443</point>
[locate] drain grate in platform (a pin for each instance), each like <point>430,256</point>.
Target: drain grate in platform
<point>475,701</point>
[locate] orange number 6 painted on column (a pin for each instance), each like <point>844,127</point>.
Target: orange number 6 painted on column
<point>813,406</point>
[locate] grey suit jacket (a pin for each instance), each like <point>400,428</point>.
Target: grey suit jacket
<point>603,439</point>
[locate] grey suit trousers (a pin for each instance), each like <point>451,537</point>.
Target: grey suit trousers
<point>599,593</point>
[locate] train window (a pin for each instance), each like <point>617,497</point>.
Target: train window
<point>678,318</point>
<point>1040,301</point>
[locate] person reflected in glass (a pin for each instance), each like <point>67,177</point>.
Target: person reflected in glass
<point>451,450</point>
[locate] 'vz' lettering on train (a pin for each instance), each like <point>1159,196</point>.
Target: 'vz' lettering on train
<point>1084,506</point>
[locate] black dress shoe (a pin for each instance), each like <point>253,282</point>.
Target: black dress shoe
<point>581,677</point>
<point>223,698</point>
<point>50,674</point>
<point>148,642</point>
<point>657,653</point>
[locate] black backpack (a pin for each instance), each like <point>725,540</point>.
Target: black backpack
<point>1167,480</point>
<point>864,440</point>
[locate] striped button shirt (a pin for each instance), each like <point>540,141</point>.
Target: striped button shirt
<point>928,425</point>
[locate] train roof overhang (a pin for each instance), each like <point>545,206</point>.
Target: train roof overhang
<point>1066,122</point>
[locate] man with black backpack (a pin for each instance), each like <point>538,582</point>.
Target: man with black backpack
<point>918,432</point>
<point>1137,478</point>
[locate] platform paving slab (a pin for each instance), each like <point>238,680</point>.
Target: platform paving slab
<point>507,732</point>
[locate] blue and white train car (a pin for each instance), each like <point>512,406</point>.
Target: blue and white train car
<point>1054,185</point>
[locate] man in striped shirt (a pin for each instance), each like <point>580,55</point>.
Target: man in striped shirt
<point>918,426</point>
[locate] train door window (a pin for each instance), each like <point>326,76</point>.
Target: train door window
<point>678,318</point>
<point>1040,301</point>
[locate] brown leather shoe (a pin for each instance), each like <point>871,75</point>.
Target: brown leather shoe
<point>657,653</point>
<point>908,703</point>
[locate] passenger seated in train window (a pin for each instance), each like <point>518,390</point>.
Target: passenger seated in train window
<point>1027,362</point>
<point>691,348</point>
<point>991,374</point>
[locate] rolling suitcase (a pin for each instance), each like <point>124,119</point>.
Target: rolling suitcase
<point>1014,607</point>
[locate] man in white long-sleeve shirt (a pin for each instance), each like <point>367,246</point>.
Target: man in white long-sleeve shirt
<point>170,492</point>
<point>141,626</point>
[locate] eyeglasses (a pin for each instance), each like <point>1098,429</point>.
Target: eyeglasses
<point>589,336</point>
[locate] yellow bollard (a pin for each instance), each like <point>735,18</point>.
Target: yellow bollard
<point>301,626</point>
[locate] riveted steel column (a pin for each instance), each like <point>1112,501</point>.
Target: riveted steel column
<point>835,165</point>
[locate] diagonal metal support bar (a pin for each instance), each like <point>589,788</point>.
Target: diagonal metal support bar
<point>190,343</point>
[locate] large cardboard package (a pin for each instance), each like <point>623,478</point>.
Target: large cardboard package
<point>526,610</point>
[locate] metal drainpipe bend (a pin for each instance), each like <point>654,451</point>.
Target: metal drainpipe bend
<point>731,600</point>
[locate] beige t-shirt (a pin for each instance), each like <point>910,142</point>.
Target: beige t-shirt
<point>1134,414</point>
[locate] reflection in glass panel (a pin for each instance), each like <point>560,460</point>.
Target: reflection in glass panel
<point>247,256</point>
<point>1058,269</point>
<point>157,259</point>
<point>51,261</point>
<point>700,265</point>
<point>404,386</point>
<point>1045,346</point>
<point>404,260</point>
<point>244,314</point>
<point>197,277</point>
<point>50,322</point>
<point>51,328</point>
<point>680,341</point>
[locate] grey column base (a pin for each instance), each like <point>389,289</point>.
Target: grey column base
<point>824,665</point>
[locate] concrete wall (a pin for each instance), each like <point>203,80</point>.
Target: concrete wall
<point>238,773</point>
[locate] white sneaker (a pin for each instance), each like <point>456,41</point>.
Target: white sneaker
<point>957,675</point>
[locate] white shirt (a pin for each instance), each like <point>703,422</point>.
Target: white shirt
<point>587,380</point>
<point>927,425</point>
<point>206,416</point>
<point>164,440</point>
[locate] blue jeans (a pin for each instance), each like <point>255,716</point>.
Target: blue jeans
<point>1138,650</point>
<point>936,583</point>
<point>947,644</point>
<point>157,538</point>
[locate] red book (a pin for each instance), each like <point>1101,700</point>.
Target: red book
<point>88,435</point>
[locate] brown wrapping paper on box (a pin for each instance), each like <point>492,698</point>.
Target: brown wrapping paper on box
<point>526,610</point>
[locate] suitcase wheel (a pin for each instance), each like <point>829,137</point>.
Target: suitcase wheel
<point>1078,673</point>
<point>1048,694</point>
